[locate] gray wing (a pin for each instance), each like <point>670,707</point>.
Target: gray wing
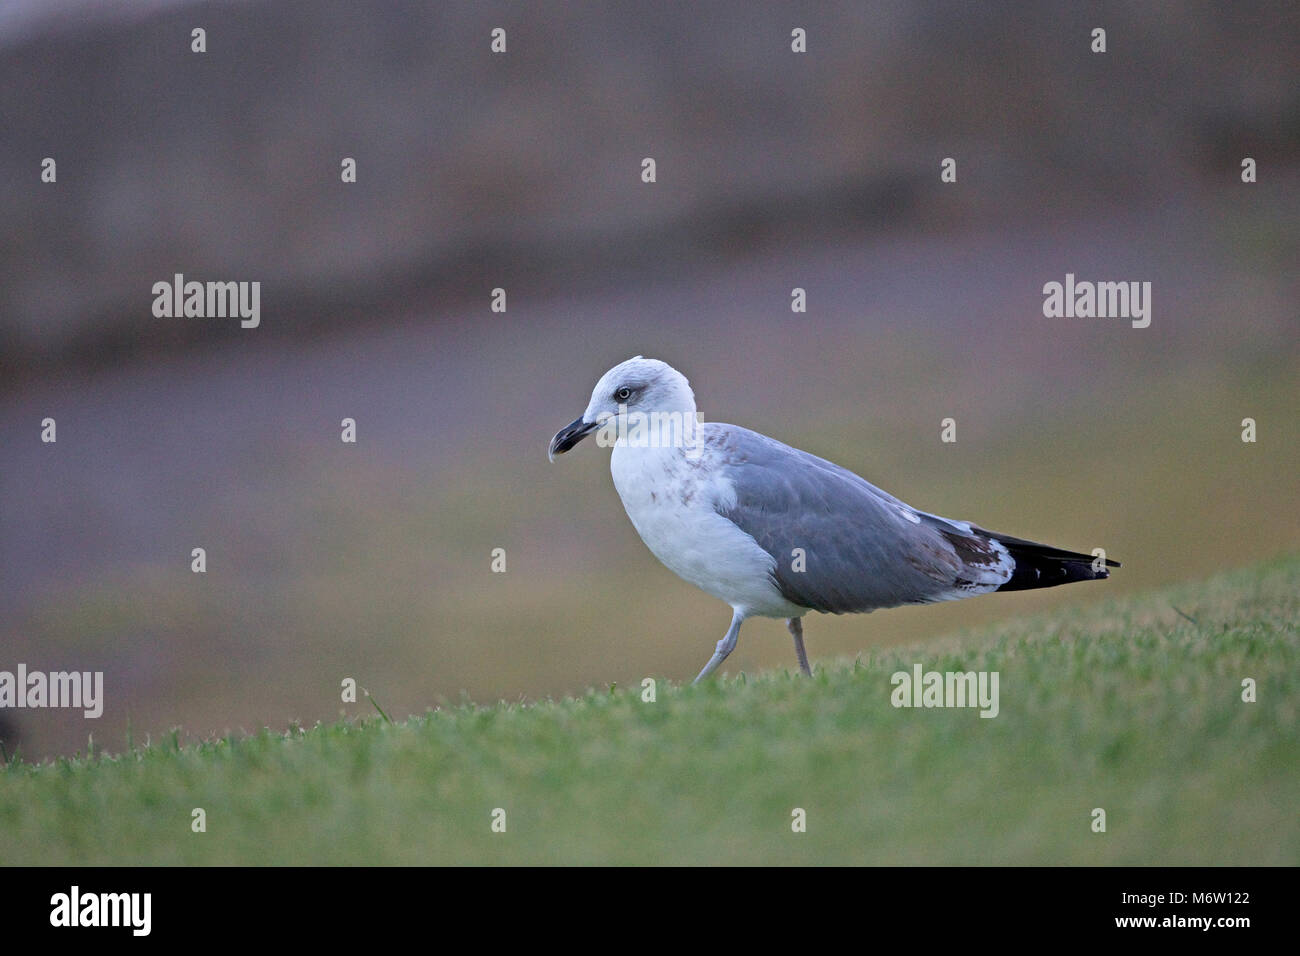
<point>863,548</point>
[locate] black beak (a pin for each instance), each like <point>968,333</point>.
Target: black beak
<point>568,436</point>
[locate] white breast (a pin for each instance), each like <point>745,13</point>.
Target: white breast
<point>671,502</point>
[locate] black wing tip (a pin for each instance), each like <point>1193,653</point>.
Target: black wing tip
<point>1033,570</point>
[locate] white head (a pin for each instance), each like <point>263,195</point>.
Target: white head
<point>638,385</point>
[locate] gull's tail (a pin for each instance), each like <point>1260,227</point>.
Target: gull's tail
<point>1042,566</point>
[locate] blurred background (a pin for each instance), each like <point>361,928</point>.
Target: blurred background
<point>521,170</point>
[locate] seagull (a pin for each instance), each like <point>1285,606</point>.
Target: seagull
<point>776,532</point>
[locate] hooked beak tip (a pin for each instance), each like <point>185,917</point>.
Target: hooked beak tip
<point>568,436</point>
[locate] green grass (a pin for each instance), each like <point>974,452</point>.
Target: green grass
<point>1126,705</point>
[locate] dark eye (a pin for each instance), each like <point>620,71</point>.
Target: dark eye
<point>623,394</point>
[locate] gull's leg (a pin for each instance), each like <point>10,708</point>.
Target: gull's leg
<point>796,631</point>
<point>725,647</point>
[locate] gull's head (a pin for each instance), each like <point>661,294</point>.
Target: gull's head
<point>637,385</point>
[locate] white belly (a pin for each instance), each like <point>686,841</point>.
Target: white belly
<point>672,509</point>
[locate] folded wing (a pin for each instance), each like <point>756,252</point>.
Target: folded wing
<point>842,545</point>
